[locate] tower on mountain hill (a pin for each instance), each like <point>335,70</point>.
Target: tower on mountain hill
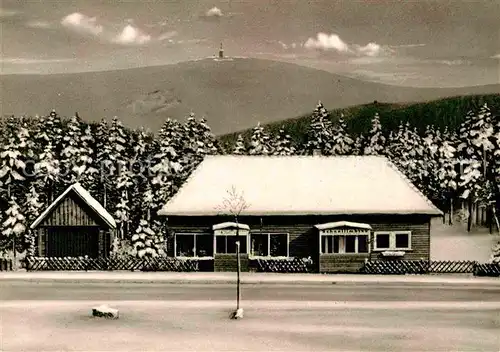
<point>221,52</point>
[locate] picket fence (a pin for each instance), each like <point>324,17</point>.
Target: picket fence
<point>291,265</point>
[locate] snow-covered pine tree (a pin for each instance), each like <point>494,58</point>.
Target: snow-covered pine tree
<point>105,162</point>
<point>319,134</point>
<point>47,173</point>
<point>260,142</point>
<point>121,176</point>
<point>359,145</point>
<point>376,141</point>
<point>86,171</point>
<point>342,143</point>
<point>54,129</point>
<point>240,147</point>
<point>282,144</point>
<point>146,243</point>
<point>447,174</point>
<point>12,169</point>
<point>477,150</point>
<point>167,164</point>
<point>140,167</point>
<point>431,142</point>
<point>71,151</point>
<point>33,207</point>
<point>13,228</point>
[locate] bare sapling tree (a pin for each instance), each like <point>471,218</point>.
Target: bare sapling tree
<point>233,205</point>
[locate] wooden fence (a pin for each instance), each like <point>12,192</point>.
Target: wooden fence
<point>110,264</point>
<point>402,267</point>
<point>293,265</point>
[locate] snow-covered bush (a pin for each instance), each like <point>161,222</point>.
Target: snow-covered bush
<point>146,242</point>
<point>495,255</point>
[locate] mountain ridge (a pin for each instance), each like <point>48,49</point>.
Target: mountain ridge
<point>233,95</point>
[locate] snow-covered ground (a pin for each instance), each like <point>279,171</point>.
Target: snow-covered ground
<point>47,326</point>
<point>454,243</point>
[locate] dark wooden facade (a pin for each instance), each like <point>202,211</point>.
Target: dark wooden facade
<point>304,237</point>
<point>72,228</point>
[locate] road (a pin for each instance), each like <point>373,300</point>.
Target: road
<point>55,316</point>
<point>58,290</point>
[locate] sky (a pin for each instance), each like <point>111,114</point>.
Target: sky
<point>413,43</point>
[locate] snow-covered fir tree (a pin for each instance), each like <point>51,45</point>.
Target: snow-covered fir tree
<point>283,143</point>
<point>54,129</point>
<point>105,162</point>
<point>359,145</point>
<point>446,170</point>
<point>342,143</point>
<point>477,149</point>
<point>71,151</point>
<point>121,176</point>
<point>260,142</point>
<point>13,227</point>
<point>319,134</point>
<point>33,207</point>
<point>146,242</point>
<point>142,150</point>
<point>167,164</point>
<point>240,147</point>
<point>47,173</point>
<point>13,166</point>
<point>375,141</point>
<point>86,171</point>
<point>431,141</point>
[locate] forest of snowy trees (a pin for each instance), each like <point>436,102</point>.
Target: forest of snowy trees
<point>133,172</point>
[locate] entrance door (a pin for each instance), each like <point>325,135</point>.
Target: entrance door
<point>66,241</point>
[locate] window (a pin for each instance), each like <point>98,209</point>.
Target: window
<point>269,244</point>
<point>342,244</point>
<point>395,240</point>
<point>193,245</point>
<point>227,244</point>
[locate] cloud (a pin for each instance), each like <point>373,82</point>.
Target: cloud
<point>214,12</point>
<point>82,23</point>
<point>167,35</point>
<point>332,42</point>
<point>131,35</point>
<point>325,41</point>
<point>370,49</point>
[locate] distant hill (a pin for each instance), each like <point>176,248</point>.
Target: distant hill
<point>447,112</point>
<point>232,95</point>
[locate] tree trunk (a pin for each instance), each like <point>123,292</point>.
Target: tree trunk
<point>104,198</point>
<point>469,218</point>
<point>450,220</point>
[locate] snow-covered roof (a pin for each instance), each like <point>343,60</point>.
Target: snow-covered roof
<point>227,225</point>
<point>87,198</point>
<point>299,185</point>
<point>337,224</point>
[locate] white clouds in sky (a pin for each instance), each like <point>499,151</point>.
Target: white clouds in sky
<point>325,41</point>
<point>332,42</point>
<point>82,23</point>
<point>214,12</point>
<point>132,35</point>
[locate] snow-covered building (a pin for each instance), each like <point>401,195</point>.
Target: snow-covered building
<point>339,211</point>
<point>74,225</point>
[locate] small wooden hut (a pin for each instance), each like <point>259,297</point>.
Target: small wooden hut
<point>74,225</point>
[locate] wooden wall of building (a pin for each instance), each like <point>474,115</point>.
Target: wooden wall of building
<point>71,212</point>
<point>304,238</point>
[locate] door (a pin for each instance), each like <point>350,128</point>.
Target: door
<point>68,241</point>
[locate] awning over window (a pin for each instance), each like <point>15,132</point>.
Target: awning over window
<point>337,224</point>
<point>230,225</point>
